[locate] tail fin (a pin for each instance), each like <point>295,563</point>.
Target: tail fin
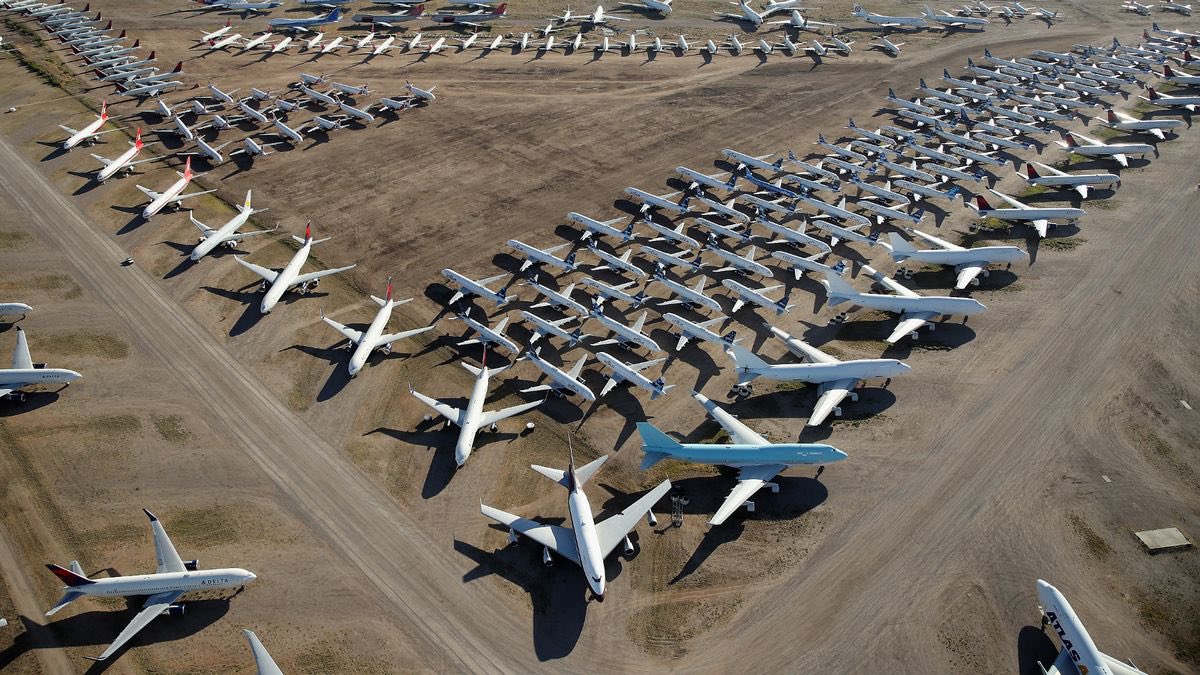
<point>837,286</point>
<point>982,204</point>
<point>1112,116</point>
<point>68,577</point>
<point>1167,72</point>
<point>1069,139</point>
<point>104,109</point>
<point>187,169</point>
<point>178,67</point>
<point>388,297</point>
<point>901,248</point>
<point>656,445</point>
<point>1030,170</point>
<point>743,358</point>
<point>571,477</point>
<point>1151,94</point>
<point>307,229</point>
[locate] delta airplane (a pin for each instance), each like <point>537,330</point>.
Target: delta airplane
<point>124,162</point>
<point>631,373</point>
<point>560,380</point>
<point>469,287</point>
<point>24,372</point>
<point>689,330</point>
<point>487,336</point>
<point>1168,101</point>
<point>276,283</point>
<point>228,234</point>
<point>14,308</point>
<point>543,327</point>
<point>755,296</point>
<point>1079,655</point>
<point>367,342</point>
<point>587,542</point>
<point>616,293</point>
<point>334,16</point>
<point>535,256</point>
<point>836,379</point>
<point>1122,122</point>
<point>1039,217</point>
<point>888,21</point>
<point>1059,179</point>
<point>172,578</point>
<point>173,195</point>
<point>556,299</point>
<point>88,134</point>
<point>624,335</point>
<point>914,310</point>
<point>756,459</point>
<point>690,297</point>
<point>594,227</point>
<point>473,418</point>
<point>968,263</point>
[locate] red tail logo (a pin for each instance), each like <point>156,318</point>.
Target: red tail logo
<point>103,110</point>
<point>1112,117</point>
<point>137,139</point>
<point>178,67</point>
<point>502,9</point>
<point>1031,171</point>
<point>1167,72</point>
<point>308,231</point>
<point>389,289</point>
<point>982,203</point>
<point>1153,94</point>
<point>187,169</point>
<point>151,57</point>
<point>122,33</point>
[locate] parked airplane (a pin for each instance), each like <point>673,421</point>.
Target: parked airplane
<point>968,263</point>
<point>914,310</point>
<point>173,194</point>
<point>557,299</point>
<point>650,201</point>
<point>487,335</point>
<point>1170,6</point>
<point>1095,148</point>
<point>1077,182</point>
<point>475,19</point>
<point>756,459</point>
<point>623,335</point>
<point>560,380</point>
<point>172,578</point>
<point>1039,217</point>
<point>594,227</point>
<point>691,297</point>
<point>1153,126</point>
<point>124,162</point>
<point>672,259</point>
<point>586,543</point>
<point>469,287</point>
<point>661,6</point>
<point>800,22</point>
<point>473,418</point>
<point>745,13</point>
<point>89,133</point>
<point>24,372</point>
<point>888,21</point>
<point>228,234</point>
<point>1168,101</point>
<point>14,308</point>
<point>888,46</point>
<point>631,373</point>
<point>755,296</point>
<point>1137,7</point>
<point>617,264</point>
<point>535,256</point>
<point>689,330</point>
<point>276,283</point>
<point>951,21</point>
<point>334,16</point>
<point>365,343</point>
<point>1079,655</point>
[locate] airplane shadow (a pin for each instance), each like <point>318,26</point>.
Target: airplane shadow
<point>250,316</point>
<point>33,401</point>
<point>1034,647</point>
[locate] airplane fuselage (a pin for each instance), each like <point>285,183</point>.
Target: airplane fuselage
<point>285,279</point>
<point>150,584</point>
<point>165,198</point>
<point>369,339</point>
<point>116,165</point>
<point>858,369</point>
<point>217,238</point>
<point>1074,637</point>
<point>736,455</point>
<point>470,419</point>
<point>10,377</point>
<point>583,526</point>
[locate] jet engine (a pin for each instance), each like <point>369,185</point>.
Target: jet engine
<point>546,559</point>
<point>191,565</point>
<point>174,609</point>
<point>628,546</point>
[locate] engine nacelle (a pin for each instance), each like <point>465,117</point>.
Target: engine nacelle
<point>546,559</point>
<point>231,244</point>
<point>191,565</point>
<point>650,519</point>
<point>628,546</point>
<point>201,240</point>
<point>174,609</point>
<point>853,396</point>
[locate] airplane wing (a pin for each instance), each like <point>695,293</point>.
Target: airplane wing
<point>451,413</point>
<point>149,193</point>
<point>967,273</point>
<point>1012,202</point>
<point>558,539</point>
<point>1118,667</point>
<point>102,160</point>
<point>392,337</point>
<point>69,130</point>
<point>750,480</point>
<point>21,359</point>
<point>830,394</point>
<point>263,662</point>
<point>164,551</point>
<point>312,276</point>
<point>909,323</point>
<point>263,272</point>
<point>1041,225</point>
<point>191,194</point>
<point>154,606</point>
<point>15,386</point>
<point>611,531</point>
<point>242,235</point>
<point>740,433</point>
<point>491,417</point>
<point>352,335</point>
<point>1063,665</point>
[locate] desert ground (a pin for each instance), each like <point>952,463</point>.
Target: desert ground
<point>1028,443</point>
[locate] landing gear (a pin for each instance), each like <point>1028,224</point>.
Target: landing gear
<point>742,390</point>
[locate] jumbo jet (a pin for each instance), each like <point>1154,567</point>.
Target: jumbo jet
<point>24,372</point>
<point>631,373</point>
<point>469,287</point>
<point>333,16</point>
<point>756,459</point>
<point>560,381</point>
<point>276,283</point>
<point>1052,177</point>
<point>1079,655</point>
<point>227,235</point>
<point>374,339</point>
<point>968,263</point>
<point>587,542</point>
<point>173,195</point>
<point>888,21</point>
<point>951,21</point>
<point>89,133</point>
<point>487,335</point>
<point>172,578</point>
<point>1168,101</point>
<point>1155,127</point>
<point>1020,212</point>
<point>836,379</point>
<point>473,418</point>
<point>535,256</point>
<point>915,310</point>
<point>124,162</point>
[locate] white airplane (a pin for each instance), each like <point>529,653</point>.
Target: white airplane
<point>487,336</point>
<point>800,22</point>
<point>801,264</point>
<point>1096,148</point>
<point>284,131</point>
<point>617,264</point>
<point>1168,101</point>
<point>690,297</point>
<point>88,134</point>
<point>888,46</point>
<point>1155,127</point>
<point>888,21</point>
<point>24,372</point>
<point>212,153</point>
<point>598,17</point>
<point>836,379</point>
<point>257,41</point>
<point>227,235</point>
<point>264,664</point>
<point>794,237</point>
<point>469,287</point>
<point>1137,7</point>
<point>173,195</point>
<point>745,13</point>
<point>689,330</point>
<point>952,21</point>
<point>124,162</point>
<point>560,380</point>
<point>276,283</point>
<point>623,335</point>
<point>253,148</point>
<point>373,339</point>
<point>661,6</point>
<point>1048,16</point>
<point>1079,655</point>
<point>756,459</point>
<point>1170,6</point>
<point>556,299</point>
<point>755,296</point>
<point>358,113</point>
<point>586,543</point>
<point>172,578</point>
<point>651,201</point>
<point>915,310</point>
<point>925,192</point>
<point>968,263</point>
<point>422,94</point>
<point>717,230</point>
<point>672,259</point>
<point>535,256</point>
<point>471,419</point>
<point>742,264</point>
<point>1077,182</point>
<point>1171,76</point>
<point>207,37</point>
<point>594,227</point>
<point>14,308</point>
<point>543,327</point>
<point>631,373</point>
<point>228,40</point>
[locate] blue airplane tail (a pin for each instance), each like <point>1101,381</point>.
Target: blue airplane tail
<point>335,15</point>
<point>656,445</point>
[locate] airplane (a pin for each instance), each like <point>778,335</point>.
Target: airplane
<point>699,179</point>
<point>748,162</point>
<point>425,95</point>
<point>24,372</point>
<point>909,171</point>
<point>247,8</point>
<point>324,124</point>
<point>623,335</point>
<point>904,103</point>
<point>801,265</point>
<point>1079,653</point>
<point>14,308</point>
<point>950,173</point>
<point>360,114</point>
<point>475,19</point>
<point>277,283</point>
<point>743,264</point>
<point>745,13</point>
<point>598,17</point>
<point>1048,16</point>
<point>89,133</point>
<point>535,256</point>
<point>263,662</point>
<point>885,213</point>
<point>839,211</point>
<point>213,154</point>
<point>365,41</point>
<point>631,373</point>
<point>260,118</point>
<point>1171,76</point>
<point>179,129</point>
<point>968,263</point>
<point>560,380</point>
<point>914,310</point>
<point>836,379</point>
<point>650,201</point>
<point>227,235</point>
<point>230,39</point>
<point>334,16</point>
<point>172,578</point>
<point>794,237</point>
<point>672,259</point>
<point>1155,127</point>
<point>469,287</point>
<point>1077,182</point>
<point>473,418</point>
<point>332,45</point>
<point>124,162</point>
<point>1096,148</point>
<point>1040,217</point>
<point>487,336</point>
<point>612,262</point>
<point>543,327</point>
<point>390,20</point>
<point>367,342</point>
<point>150,90</point>
<point>799,22</point>
<point>689,330</point>
<point>663,7</point>
<point>884,192</point>
<point>754,296</point>
<point>586,543</point>
<point>667,233</point>
<point>756,459</point>
<point>282,129</point>
<point>949,20</point>
<point>556,299</point>
<point>282,45</point>
<point>888,46</point>
<point>691,297</point>
<point>173,195</point>
<point>319,97</point>
<point>888,21</point>
<point>1137,7</point>
<point>594,227</point>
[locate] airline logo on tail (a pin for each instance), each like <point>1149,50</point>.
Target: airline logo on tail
<point>1033,172</point>
<point>137,139</point>
<point>308,232</point>
<point>388,297</point>
<point>104,110</point>
<point>982,204</point>
<point>187,169</point>
<point>68,577</point>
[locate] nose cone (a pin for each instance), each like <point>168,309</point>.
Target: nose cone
<point>251,576</point>
<point>72,376</point>
<point>146,214</point>
<point>266,306</point>
<point>836,455</point>
<point>598,586</point>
